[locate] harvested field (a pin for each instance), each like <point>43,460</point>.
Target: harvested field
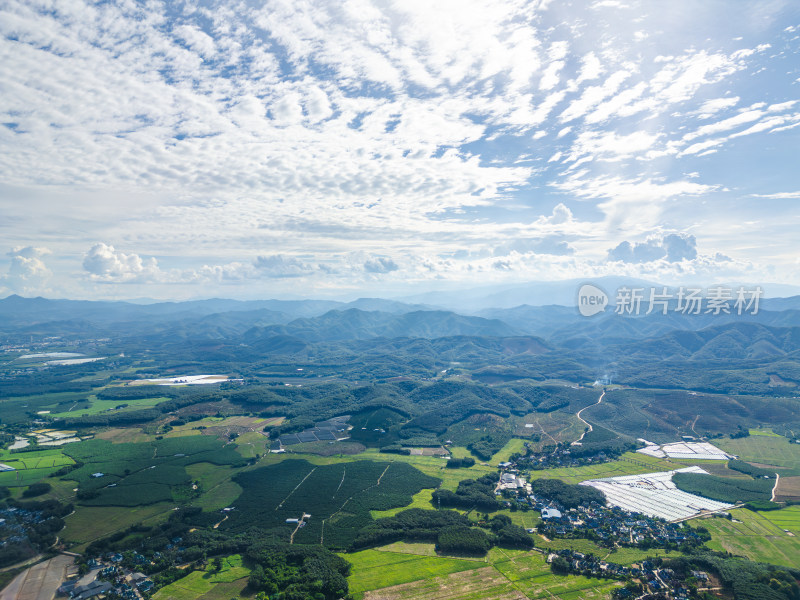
<point>428,452</point>
<point>39,582</point>
<point>476,583</point>
<point>788,489</point>
<point>224,428</point>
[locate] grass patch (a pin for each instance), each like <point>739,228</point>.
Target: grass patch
<point>31,466</point>
<point>87,524</point>
<point>97,406</point>
<point>373,569</point>
<point>765,449</point>
<point>514,445</point>
<point>199,584</point>
<point>137,474</point>
<point>785,518</point>
<point>421,499</point>
<point>755,536</point>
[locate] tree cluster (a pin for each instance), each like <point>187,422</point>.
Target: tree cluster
<point>568,496</point>
<point>470,494</point>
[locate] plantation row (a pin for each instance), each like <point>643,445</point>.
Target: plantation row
<point>339,494</point>
<point>724,490</point>
<point>141,473</point>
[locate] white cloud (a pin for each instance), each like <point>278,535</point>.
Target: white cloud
<point>711,107</point>
<point>27,272</point>
<point>726,124</point>
<point>197,40</point>
<point>779,195</point>
<point>104,263</point>
<point>280,266</point>
<point>592,96</point>
<point>380,264</point>
<point>672,247</point>
<point>591,68</point>
<point>300,132</point>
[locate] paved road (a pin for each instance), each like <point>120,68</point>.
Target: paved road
<point>40,581</point>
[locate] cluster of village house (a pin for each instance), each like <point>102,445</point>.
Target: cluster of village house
<point>653,579</point>
<point>107,576</point>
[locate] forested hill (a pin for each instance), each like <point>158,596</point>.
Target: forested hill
<point>751,354</point>
<point>354,324</point>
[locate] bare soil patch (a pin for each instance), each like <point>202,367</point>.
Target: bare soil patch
<point>452,587</point>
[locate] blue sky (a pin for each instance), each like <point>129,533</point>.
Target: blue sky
<point>274,149</point>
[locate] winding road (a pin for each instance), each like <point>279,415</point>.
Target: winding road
<point>589,425</point>
<point>775,487</point>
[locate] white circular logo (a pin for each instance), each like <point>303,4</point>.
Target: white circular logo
<point>591,300</point>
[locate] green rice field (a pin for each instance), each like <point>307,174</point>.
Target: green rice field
<point>201,584</point>
<point>413,573</point>
<point>31,467</point>
<point>757,536</point>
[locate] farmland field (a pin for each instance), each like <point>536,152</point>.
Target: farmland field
<point>755,537</point>
<point>375,568</point>
<point>553,427</point>
<point>143,473</point>
<point>629,463</point>
<point>339,497</point>
<point>514,445</point>
<point>785,518</point>
<point>202,584</point>
<point>31,466</point>
<point>788,489</point>
<point>623,556</point>
<point>765,450</point>
<point>87,524</point>
<point>505,575</point>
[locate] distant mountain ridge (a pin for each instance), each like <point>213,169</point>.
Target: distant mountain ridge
<point>355,324</point>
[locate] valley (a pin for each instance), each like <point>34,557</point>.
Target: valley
<point>445,462</point>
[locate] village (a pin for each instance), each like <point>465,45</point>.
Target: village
<point>111,575</point>
<point>645,580</point>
